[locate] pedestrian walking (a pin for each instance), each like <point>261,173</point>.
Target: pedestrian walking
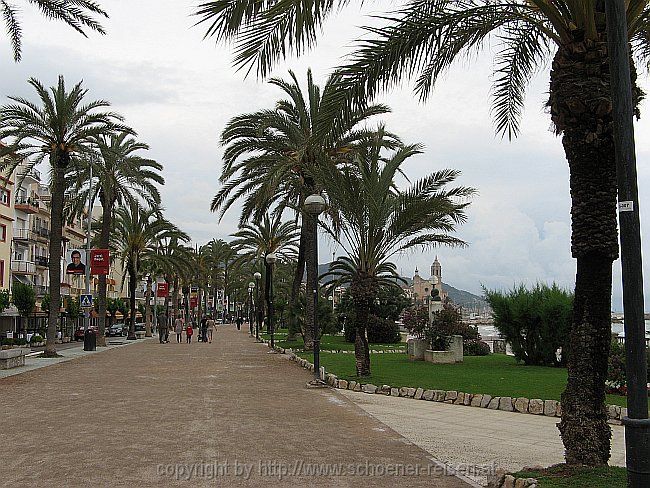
<point>189,332</point>
<point>163,326</point>
<point>210,325</point>
<point>178,328</point>
<point>204,329</point>
<point>239,322</point>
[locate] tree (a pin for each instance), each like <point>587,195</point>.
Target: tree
<point>5,300</point>
<point>422,40</point>
<point>120,175</point>
<point>378,220</point>
<point>138,231</point>
<point>24,298</point>
<point>76,13</point>
<point>273,155</point>
<point>270,235</point>
<point>60,129</point>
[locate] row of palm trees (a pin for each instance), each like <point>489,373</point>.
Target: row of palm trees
<point>421,40</point>
<point>93,156</point>
<point>314,142</point>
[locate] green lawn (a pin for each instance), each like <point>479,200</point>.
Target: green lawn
<point>327,343</point>
<point>496,375</point>
<point>564,477</point>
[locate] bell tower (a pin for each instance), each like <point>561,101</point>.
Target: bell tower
<point>436,270</point>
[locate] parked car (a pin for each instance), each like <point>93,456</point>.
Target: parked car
<point>139,326</point>
<point>79,333</point>
<point>116,330</point>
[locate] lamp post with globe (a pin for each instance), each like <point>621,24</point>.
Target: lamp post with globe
<point>251,287</point>
<point>315,205</point>
<point>258,312</point>
<point>271,258</point>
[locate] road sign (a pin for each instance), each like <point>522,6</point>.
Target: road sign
<point>86,301</point>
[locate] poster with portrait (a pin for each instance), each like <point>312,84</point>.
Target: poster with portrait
<point>75,262</point>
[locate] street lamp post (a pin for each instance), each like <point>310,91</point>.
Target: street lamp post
<point>251,287</point>
<point>258,312</point>
<point>271,258</point>
<point>637,424</point>
<point>314,205</point>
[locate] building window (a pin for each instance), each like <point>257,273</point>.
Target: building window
<point>2,273</point>
<point>5,197</point>
<point>3,233</point>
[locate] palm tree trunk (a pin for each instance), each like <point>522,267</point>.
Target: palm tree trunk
<point>56,231</point>
<point>309,226</point>
<point>102,292</point>
<point>132,288</point>
<point>581,109</point>
<point>363,291</point>
<point>147,308</point>
<point>295,286</point>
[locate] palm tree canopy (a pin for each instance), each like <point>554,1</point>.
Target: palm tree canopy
<point>423,38</point>
<point>78,14</point>
<point>119,174</point>
<point>64,126</point>
<point>379,219</point>
<point>270,155</point>
<point>139,232</point>
<point>270,235</point>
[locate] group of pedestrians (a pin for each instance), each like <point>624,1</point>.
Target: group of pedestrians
<point>205,329</point>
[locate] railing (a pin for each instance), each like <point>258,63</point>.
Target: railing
<point>41,290</point>
<point>32,202</point>
<point>621,340</point>
<point>42,231</point>
<point>23,234</point>
<point>24,172</point>
<point>41,261</point>
<point>23,267</point>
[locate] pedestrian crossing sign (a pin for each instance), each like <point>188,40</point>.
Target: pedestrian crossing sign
<point>86,301</point>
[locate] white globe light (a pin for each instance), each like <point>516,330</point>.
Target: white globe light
<point>315,204</point>
<point>257,275</point>
<point>271,258</point>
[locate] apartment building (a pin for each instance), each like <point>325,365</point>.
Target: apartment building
<point>6,230</point>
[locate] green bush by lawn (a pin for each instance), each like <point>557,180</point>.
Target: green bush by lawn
<point>496,375</point>
<point>563,476</point>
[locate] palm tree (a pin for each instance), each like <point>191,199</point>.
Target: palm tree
<point>60,129</point>
<point>255,241</point>
<point>175,266</point>
<point>138,230</point>
<point>272,155</point>
<point>422,40</point>
<point>120,175</point>
<point>76,13</point>
<point>379,220</point>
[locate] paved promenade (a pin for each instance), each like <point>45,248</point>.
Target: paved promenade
<point>220,414</point>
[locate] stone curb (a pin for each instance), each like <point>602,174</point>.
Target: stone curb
<point>534,406</point>
<point>500,479</point>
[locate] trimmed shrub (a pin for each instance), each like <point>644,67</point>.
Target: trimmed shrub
<point>475,347</point>
<point>535,322</point>
<point>616,368</point>
<point>7,341</point>
<point>36,338</point>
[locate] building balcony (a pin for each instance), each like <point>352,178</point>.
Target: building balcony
<point>44,193</point>
<point>23,267</point>
<point>42,232</point>
<point>27,204</point>
<point>26,173</point>
<point>41,290</point>
<point>24,235</point>
<point>41,261</point>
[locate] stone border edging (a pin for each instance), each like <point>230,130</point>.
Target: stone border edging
<point>534,406</point>
<point>500,479</point>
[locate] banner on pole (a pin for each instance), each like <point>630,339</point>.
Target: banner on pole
<point>162,289</point>
<point>99,261</point>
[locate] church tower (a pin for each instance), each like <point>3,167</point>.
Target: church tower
<point>436,270</point>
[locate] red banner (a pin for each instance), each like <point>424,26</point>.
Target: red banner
<point>162,289</point>
<point>194,301</point>
<point>99,261</point>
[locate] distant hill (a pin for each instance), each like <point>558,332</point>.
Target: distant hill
<point>459,297</point>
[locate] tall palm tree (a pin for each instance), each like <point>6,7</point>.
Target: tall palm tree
<point>379,220</point>
<point>422,40</point>
<point>272,155</point>
<point>62,127</point>
<point>175,267</point>
<point>138,231</point>
<point>120,175</point>
<point>78,14</point>
<point>270,235</point>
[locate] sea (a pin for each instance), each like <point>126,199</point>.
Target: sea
<point>617,328</point>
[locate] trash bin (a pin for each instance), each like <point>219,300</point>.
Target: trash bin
<point>90,340</point>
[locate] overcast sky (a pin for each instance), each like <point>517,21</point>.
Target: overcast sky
<point>178,91</point>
